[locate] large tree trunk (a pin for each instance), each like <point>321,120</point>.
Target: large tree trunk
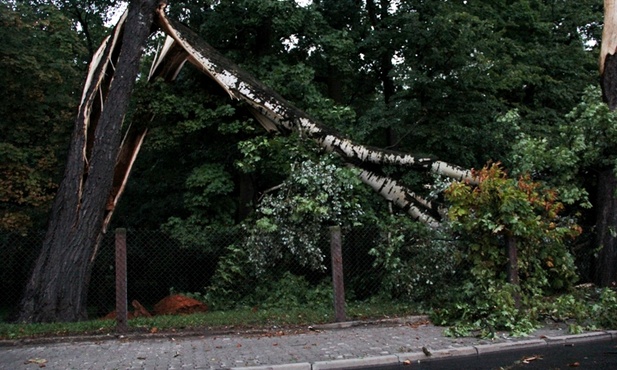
<point>58,286</point>
<point>606,226</point>
<point>605,273</point>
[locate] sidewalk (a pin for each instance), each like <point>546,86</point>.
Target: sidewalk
<point>332,346</point>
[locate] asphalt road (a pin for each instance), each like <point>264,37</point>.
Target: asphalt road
<point>595,355</point>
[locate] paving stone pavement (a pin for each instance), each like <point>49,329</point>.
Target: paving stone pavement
<point>306,348</point>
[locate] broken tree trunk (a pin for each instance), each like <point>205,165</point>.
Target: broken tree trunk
<point>275,114</point>
<point>608,61</point>
<point>58,285</point>
<point>605,273</point>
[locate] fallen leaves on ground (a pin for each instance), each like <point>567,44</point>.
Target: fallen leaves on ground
<point>417,324</point>
<point>38,361</point>
<point>529,359</point>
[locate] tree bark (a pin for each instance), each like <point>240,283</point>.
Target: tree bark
<point>58,285</point>
<point>606,230</point>
<point>605,273</point>
<point>608,62</point>
<point>418,208</point>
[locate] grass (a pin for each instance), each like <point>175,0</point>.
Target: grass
<point>238,319</point>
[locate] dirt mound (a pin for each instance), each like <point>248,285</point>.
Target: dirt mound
<point>178,305</point>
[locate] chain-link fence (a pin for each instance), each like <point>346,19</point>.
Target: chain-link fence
<point>222,269</point>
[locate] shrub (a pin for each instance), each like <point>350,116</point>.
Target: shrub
<point>483,217</point>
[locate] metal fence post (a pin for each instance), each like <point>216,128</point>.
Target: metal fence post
<point>336,251</point>
<point>121,286</point>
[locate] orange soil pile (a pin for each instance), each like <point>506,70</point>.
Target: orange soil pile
<point>172,305</point>
<point>178,304</point>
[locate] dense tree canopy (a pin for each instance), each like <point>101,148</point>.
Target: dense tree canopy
<point>424,78</point>
<point>463,81</point>
<point>40,73</point>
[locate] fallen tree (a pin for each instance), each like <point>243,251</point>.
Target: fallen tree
<point>100,160</point>
<point>276,114</point>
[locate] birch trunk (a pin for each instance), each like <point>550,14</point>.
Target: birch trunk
<point>273,111</point>
<point>276,114</point>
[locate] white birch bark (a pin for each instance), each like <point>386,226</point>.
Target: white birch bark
<point>609,33</point>
<point>401,197</point>
<point>275,113</point>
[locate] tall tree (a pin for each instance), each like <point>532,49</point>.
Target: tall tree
<point>57,288</point>
<point>606,204</point>
<point>40,75</point>
<point>470,62</point>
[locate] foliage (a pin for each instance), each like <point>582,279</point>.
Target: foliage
<point>414,263</point>
<point>499,207</point>
<point>586,308</point>
<point>485,310</point>
<point>583,145</point>
<point>604,313</point>
<point>473,61</point>
<point>292,291</point>
<point>88,18</point>
<point>571,160</point>
<point>483,216</point>
<point>233,281</point>
<point>237,282</point>
<point>39,75</point>
<point>287,222</point>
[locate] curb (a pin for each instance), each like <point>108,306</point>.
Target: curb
<point>416,357</point>
<point>349,324</point>
<point>356,362</point>
<point>296,366</point>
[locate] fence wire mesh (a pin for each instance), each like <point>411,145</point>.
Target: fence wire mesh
<point>223,269</point>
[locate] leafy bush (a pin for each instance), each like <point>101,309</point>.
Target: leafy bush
<point>238,283</point>
<point>586,308</point>
<point>483,217</point>
<point>605,311</point>
<point>316,194</point>
<point>292,291</point>
<point>233,281</point>
<point>416,263</point>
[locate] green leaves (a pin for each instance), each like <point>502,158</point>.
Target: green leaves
<point>582,146</point>
<point>209,181</point>
<point>316,194</point>
<point>484,216</point>
<point>414,262</point>
<point>40,75</point>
